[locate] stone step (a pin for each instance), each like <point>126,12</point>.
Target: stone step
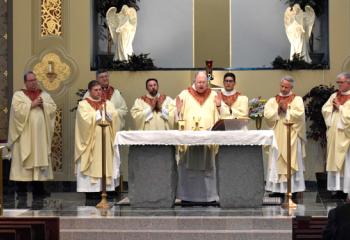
<point>104,234</point>
<point>161,223</point>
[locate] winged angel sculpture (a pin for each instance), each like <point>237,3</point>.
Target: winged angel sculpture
<point>298,25</point>
<point>122,27</point>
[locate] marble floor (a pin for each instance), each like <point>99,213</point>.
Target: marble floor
<point>76,204</point>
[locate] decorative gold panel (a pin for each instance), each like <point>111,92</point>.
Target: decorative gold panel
<point>51,71</point>
<point>51,18</point>
<point>57,143</point>
<point>3,70</point>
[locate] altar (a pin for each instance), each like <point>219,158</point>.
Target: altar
<point>153,168</point>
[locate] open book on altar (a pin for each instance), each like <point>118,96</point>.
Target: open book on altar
<point>230,124</point>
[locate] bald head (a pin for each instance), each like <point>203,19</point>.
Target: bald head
<point>201,82</point>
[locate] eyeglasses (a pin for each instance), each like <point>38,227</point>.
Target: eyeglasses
<point>228,81</point>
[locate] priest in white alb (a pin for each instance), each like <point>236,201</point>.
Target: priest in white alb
<point>196,164</point>
<point>336,114</point>
<point>232,105</point>
<point>153,111</point>
<point>88,141</point>
<point>286,107</point>
<point>31,127</point>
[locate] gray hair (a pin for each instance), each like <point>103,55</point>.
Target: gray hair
<point>346,75</point>
<point>198,73</point>
<point>288,79</point>
<point>26,74</point>
<point>99,71</point>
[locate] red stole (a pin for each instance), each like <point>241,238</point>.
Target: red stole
<point>107,93</point>
<point>342,98</point>
<point>153,101</point>
<point>285,100</point>
<point>200,97</point>
<point>32,94</point>
<point>95,104</point>
<point>229,100</point>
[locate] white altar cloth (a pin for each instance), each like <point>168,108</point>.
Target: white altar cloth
<point>175,137</point>
<point>192,138</point>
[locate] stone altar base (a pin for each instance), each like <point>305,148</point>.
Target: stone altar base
<point>152,176</point>
<point>240,176</point>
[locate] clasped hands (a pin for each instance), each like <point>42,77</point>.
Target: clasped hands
<point>156,105</point>
<point>336,104</point>
<point>38,102</point>
<point>99,113</point>
<point>282,107</point>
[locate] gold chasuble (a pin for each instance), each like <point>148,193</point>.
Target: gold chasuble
<point>30,136</point>
<point>233,105</point>
<point>88,145</point>
<point>295,113</point>
<point>200,109</point>
<point>114,96</point>
<point>153,113</point>
<point>338,131</point>
<point>196,166</point>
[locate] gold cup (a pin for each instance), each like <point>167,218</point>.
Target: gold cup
<point>181,124</point>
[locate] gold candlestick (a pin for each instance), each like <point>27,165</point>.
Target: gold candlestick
<point>181,125</point>
<point>104,202</point>
<point>288,202</point>
<point>196,124</point>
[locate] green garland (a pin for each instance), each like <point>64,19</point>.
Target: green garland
<point>297,63</point>
<point>314,100</point>
<point>317,5</point>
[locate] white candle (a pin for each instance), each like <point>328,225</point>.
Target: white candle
<point>50,67</point>
<point>103,112</point>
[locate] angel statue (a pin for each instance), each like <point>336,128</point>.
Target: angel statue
<point>298,25</point>
<point>122,27</point>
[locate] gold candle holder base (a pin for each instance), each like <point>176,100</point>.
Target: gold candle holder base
<point>288,202</point>
<point>104,202</point>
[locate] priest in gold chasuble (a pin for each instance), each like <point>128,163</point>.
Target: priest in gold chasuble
<point>196,164</point>
<point>154,111</point>
<point>88,142</point>
<point>31,127</point>
<point>336,114</point>
<point>286,106</point>
<point>230,103</point>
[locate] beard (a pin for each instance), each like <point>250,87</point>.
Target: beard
<point>153,92</point>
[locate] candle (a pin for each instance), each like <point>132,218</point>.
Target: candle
<point>103,112</point>
<point>50,70</point>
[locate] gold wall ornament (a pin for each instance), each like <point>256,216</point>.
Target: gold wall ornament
<point>57,143</point>
<point>51,71</point>
<point>51,18</point>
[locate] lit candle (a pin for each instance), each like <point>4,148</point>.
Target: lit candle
<point>50,67</point>
<point>103,112</point>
